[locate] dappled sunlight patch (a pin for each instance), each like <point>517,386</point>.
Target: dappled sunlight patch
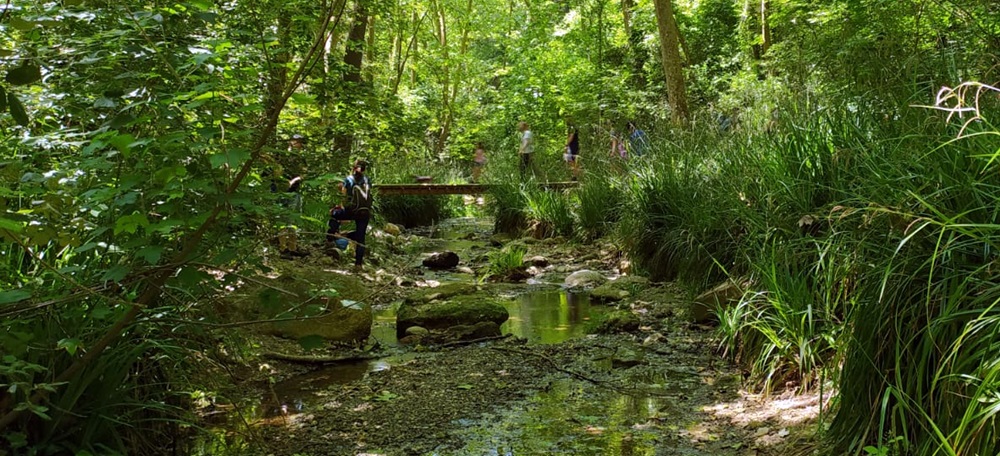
<point>753,410</point>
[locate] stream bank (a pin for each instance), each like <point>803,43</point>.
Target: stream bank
<point>563,381</point>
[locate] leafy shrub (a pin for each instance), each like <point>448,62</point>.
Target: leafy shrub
<point>506,261</point>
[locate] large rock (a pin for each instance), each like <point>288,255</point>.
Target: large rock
<point>441,293</point>
<point>441,260</point>
<point>467,310</point>
<point>479,330</point>
<point>585,279</point>
<point>618,321</point>
<point>618,289</point>
<point>347,321</point>
<point>706,306</point>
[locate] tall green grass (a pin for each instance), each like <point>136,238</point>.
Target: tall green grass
<point>417,210</point>
<point>870,250</point>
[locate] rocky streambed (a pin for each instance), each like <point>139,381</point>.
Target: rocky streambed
<point>578,357</point>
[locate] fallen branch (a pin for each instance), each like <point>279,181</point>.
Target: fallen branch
<point>460,343</point>
<point>306,359</point>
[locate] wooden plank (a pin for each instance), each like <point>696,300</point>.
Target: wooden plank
<point>453,189</point>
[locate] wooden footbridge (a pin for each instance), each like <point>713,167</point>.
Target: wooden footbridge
<point>453,189</point>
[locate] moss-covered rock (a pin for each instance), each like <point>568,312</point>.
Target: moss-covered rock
<point>347,321</point>
<point>441,293</point>
<point>617,322</point>
<point>585,279</point>
<point>461,310</point>
<point>618,289</point>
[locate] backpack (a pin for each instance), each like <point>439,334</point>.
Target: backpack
<point>360,194</point>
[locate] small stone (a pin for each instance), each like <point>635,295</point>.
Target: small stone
<point>538,261</point>
<point>652,339</point>
<point>417,331</point>
<point>392,229</point>
<point>441,260</point>
<point>403,281</point>
<point>465,270</point>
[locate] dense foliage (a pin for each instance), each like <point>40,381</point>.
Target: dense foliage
<point>140,140</point>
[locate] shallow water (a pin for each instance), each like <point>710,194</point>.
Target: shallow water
<point>550,316</point>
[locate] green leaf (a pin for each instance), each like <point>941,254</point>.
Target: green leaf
<point>385,396</point>
<point>130,223</point>
<point>123,143</point>
<point>150,253</point>
<point>203,5</point>
<point>191,276</point>
<point>464,386</point>
<point>70,345</point>
<point>114,274</point>
<point>234,158</point>
<point>17,110</point>
<point>25,74</point>
<point>11,225</point>
<point>21,24</point>
<point>12,296</point>
<point>16,439</point>
<point>312,342</point>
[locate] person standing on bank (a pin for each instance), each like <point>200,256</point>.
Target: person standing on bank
<point>478,162</point>
<point>357,188</point>
<point>572,154</point>
<point>527,146</point>
<point>637,141</point>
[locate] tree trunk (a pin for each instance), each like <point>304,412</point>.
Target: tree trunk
<point>765,28</point>
<point>370,48</point>
<point>354,53</point>
<point>277,76</point>
<point>671,56</point>
<point>353,56</point>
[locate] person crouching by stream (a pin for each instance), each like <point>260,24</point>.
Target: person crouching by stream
<point>357,189</point>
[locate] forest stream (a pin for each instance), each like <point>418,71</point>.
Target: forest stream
<point>567,376</point>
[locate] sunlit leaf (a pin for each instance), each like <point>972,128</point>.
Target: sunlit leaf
<point>11,225</point>
<point>70,345</point>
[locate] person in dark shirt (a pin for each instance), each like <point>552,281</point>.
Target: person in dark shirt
<point>572,155</point>
<point>357,206</point>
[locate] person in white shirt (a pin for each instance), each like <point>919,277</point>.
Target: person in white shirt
<point>527,146</point>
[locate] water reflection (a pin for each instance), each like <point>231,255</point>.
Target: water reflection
<point>568,420</point>
<point>550,317</point>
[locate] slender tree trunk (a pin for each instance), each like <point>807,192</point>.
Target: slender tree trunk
<point>410,48</point>
<point>277,76</point>
<point>370,49</point>
<point>670,54</point>
<point>765,28</point>
<point>444,116</point>
<point>627,6</point>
